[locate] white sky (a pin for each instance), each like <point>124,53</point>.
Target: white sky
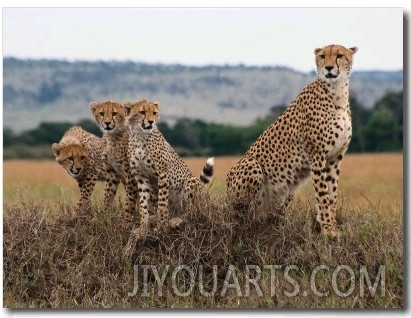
<point>199,36</point>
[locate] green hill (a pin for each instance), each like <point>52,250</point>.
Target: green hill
<point>37,91</point>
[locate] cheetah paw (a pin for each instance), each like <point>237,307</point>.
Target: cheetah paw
<point>175,223</point>
<point>332,233</point>
<point>152,220</point>
<point>136,234</point>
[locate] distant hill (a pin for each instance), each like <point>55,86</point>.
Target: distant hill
<point>37,91</point>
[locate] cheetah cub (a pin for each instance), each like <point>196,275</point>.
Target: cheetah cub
<point>309,139</point>
<point>156,166</point>
<point>110,116</point>
<point>79,153</point>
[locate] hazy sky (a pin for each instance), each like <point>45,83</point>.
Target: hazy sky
<point>252,36</point>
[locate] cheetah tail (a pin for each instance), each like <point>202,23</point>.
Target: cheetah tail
<point>208,171</point>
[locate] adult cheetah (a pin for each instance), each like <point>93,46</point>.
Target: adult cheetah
<point>309,138</point>
<point>156,166</point>
<point>110,117</point>
<point>80,154</point>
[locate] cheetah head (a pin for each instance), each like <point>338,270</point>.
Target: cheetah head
<point>72,157</point>
<point>334,62</point>
<point>108,115</point>
<point>143,115</point>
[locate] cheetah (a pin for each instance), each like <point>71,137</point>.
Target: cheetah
<point>309,139</point>
<point>156,166</point>
<point>80,154</point>
<point>110,117</point>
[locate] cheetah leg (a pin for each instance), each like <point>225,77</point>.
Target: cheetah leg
<point>333,172</point>
<point>189,195</point>
<point>244,182</point>
<point>86,187</point>
<point>132,197</point>
<point>163,195</point>
<point>111,186</point>
<point>192,189</point>
<point>144,192</point>
<point>288,202</point>
<point>324,216</point>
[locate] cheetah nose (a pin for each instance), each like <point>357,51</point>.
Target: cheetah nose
<point>150,122</point>
<point>329,68</point>
<point>107,123</point>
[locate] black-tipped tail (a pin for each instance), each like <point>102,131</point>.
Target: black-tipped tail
<point>208,171</point>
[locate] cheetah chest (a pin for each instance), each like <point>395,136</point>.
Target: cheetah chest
<point>115,156</point>
<point>142,162</point>
<point>341,131</point>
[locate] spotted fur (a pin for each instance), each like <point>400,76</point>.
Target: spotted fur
<point>110,117</point>
<point>79,153</point>
<point>309,139</point>
<point>156,166</point>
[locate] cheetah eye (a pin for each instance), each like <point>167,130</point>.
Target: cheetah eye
<point>114,113</point>
<point>101,114</point>
<point>322,56</point>
<point>142,112</point>
<point>339,56</point>
<point>71,158</point>
<point>83,157</point>
<point>155,113</point>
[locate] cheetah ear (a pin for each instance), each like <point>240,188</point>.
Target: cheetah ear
<point>93,106</point>
<point>56,149</point>
<point>157,104</point>
<point>128,106</point>
<point>353,49</point>
<point>317,50</point>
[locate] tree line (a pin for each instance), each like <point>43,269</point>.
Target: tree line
<point>376,129</point>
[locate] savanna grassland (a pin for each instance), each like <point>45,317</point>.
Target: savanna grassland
<point>217,259</point>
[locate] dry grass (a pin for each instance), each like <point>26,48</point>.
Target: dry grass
<point>365,178</point>
<point>50,261</point>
